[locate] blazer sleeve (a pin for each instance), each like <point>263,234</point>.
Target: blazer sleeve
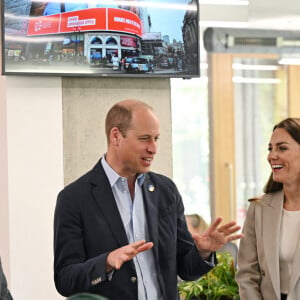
<point>73,271</point>
<point>4,292</point>
<point>248,275</point>
<point>191,265</point>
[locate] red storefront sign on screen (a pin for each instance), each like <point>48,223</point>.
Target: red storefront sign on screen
<point>127,41</point>
<point>91,19</point>
<point>44,25</point>
<point>86,19</point>
<point>123,20</point>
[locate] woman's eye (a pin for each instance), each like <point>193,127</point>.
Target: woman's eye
<point>282,148</point>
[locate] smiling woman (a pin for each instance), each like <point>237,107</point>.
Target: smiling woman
<point>271,230</point>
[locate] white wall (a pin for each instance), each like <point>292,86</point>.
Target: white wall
<point>35,175</point>
<point>4,228</point>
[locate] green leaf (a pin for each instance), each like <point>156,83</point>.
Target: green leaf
<point>217,284</point>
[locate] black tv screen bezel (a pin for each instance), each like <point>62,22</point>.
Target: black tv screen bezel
<point>186,74</point>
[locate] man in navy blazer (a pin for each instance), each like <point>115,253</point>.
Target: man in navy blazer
<point>120,230</point>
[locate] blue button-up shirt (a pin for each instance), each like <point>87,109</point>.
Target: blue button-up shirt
<point>135,223</point>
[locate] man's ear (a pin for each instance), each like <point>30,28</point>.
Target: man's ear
<point>115,136</point>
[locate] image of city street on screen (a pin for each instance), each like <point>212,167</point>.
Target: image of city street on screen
<point>101,38</point>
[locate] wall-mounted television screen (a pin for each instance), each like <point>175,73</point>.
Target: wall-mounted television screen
<point>101,38</point>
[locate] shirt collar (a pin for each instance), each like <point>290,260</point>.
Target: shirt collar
<point>113,176</point>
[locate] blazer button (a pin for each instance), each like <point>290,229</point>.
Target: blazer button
<point>263,273</point>
<point>133,279</point>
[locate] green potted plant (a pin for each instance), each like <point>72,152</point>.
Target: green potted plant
<point>218,284</point>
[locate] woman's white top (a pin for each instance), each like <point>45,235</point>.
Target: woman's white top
<point>290,226</point>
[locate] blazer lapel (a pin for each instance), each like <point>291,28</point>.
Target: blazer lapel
<point>150,193</point>
<point>271,218</point>
<point>106,202</point>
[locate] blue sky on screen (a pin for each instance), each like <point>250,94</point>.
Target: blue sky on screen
<point>168,22</point>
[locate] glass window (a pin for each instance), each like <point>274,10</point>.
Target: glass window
<point>111,41</point>
<point>190,136</point>
<point>96,40</point>
<point>260,102</point>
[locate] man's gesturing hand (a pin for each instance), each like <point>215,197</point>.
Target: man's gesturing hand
<point>116,258</point>
<point>216,236</point>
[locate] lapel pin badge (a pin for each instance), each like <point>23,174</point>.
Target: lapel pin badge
<point>151,188</point>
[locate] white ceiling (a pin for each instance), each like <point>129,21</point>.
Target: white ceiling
<point>265,14</point>
<point>274,14</point>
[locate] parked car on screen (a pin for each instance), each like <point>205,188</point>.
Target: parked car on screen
<point>127,62</point>
<point>171,61</point>
<point>164,63</point>
<point>136,65</point>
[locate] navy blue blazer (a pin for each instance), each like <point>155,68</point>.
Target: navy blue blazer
<point>88,225</point>
<point>4,291</point>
